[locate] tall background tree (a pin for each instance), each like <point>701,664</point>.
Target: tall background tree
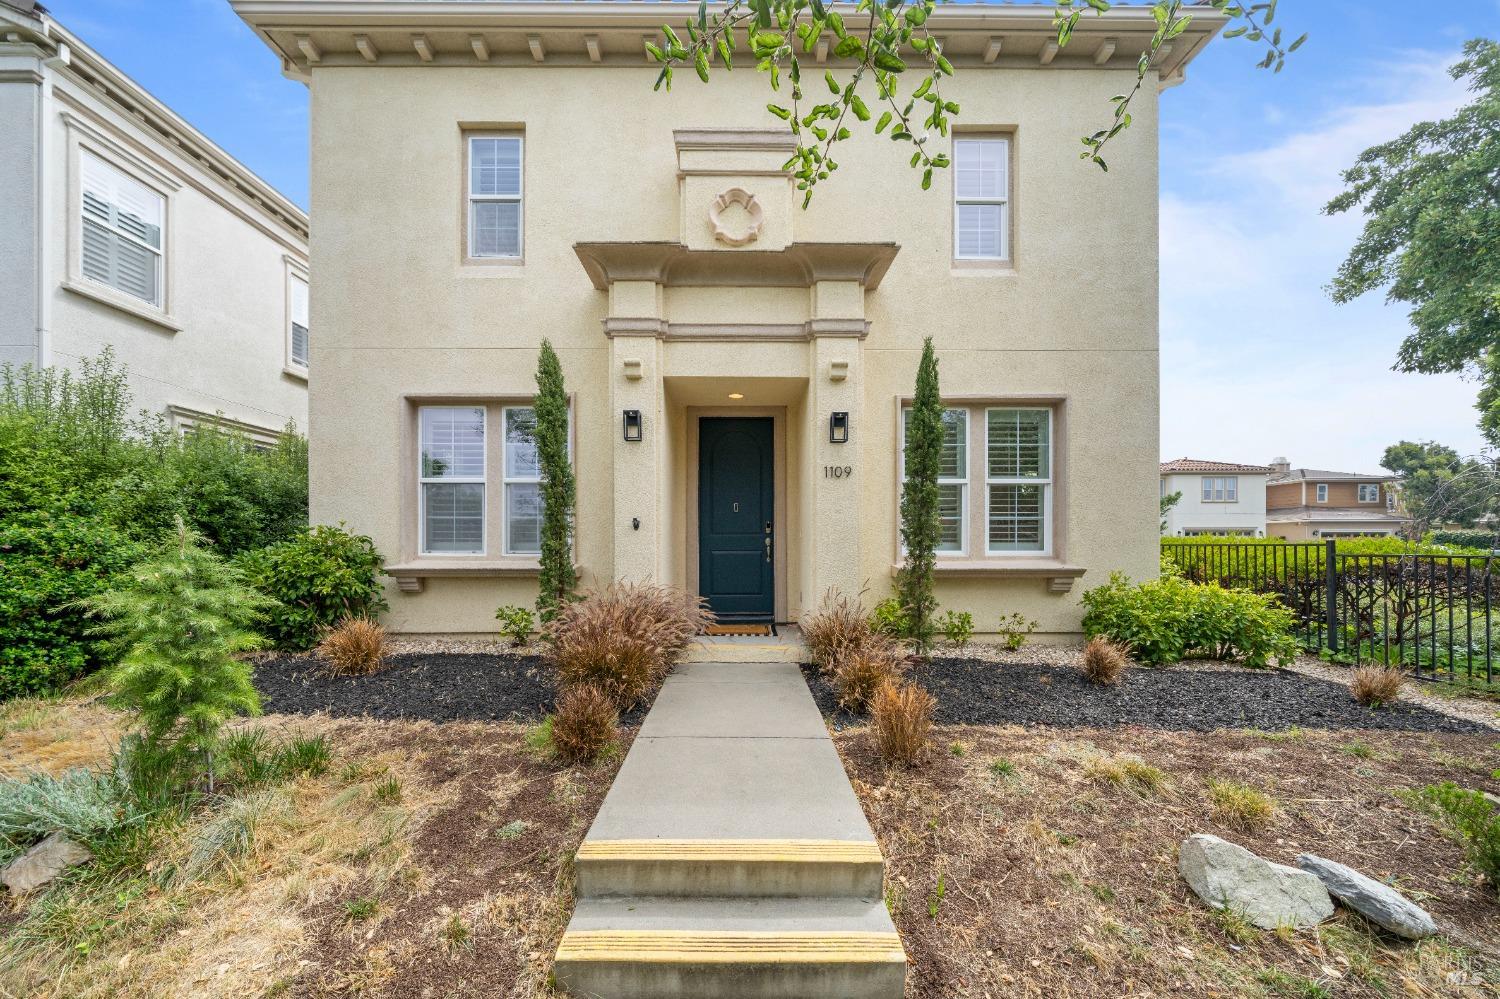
<point>559,577</point>
<point>1439,488</point>
<point>1431,201</point>
<point>920,523</point>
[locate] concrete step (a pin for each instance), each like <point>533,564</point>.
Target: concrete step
<point>708,948</point>
<point>729,867</point>
<point>745,650</point>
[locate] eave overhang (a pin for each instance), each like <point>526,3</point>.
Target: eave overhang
<point>800,265</point>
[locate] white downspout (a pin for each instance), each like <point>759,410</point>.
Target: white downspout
<point>45,185</point>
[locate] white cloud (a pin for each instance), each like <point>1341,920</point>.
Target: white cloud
<point>1256,360</point>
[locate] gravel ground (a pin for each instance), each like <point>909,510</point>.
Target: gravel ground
<point>971,691</point>
<point>438,686</point>
<point>1475,709</point>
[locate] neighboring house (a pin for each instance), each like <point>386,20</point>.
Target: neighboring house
<point>490,174</point>
<point>1309,504</point>
<point>1218,498</point>
<point>123,226</point>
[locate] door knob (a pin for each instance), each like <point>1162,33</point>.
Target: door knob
<point>768,548</point>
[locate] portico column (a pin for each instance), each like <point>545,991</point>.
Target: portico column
<point>634,328</point>
<point>838,474</point>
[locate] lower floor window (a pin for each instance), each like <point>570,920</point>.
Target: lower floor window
<point>1018,518</point>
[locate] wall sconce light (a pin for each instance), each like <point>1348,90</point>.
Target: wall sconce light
<point>632,424</point>
<point>838,428</point>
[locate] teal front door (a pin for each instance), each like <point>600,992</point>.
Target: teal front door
<point>736,524</point>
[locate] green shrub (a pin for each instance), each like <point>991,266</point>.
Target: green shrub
<point>890,618</point>
<point>238,495</point>
<point>1472,820</point>
<point>85,804</point>
<point>319,578</point>
<point>958,627</point>
<point>179,624</point>
<point>1016,631</point>
<point>516,623</point>
<point>1163,620</point>
<point>48,563</point>
<point>1482,541</point>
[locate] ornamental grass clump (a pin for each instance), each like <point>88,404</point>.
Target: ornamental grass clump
<point>1376,686</point>
<point>901,723</point>
<point>838,624</point>
<point>624,638</point>
<point>861,670</point>
<point>356,647</point>
<point>1104,662</point>
<point>584,725</point>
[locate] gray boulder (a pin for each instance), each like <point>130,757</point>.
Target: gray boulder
<point>43,862</point>
<point>1267,895</point>
<point>1379,903</point>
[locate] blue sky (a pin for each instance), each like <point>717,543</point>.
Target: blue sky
<point>1256,361</point>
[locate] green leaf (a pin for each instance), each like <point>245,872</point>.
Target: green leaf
<point>927,179</point>
<point>833,85</point>
<point>779,111</point>
<point>889,62</point>
<point>700,63</point>
<point>857,105</point>
<point>885,120</point>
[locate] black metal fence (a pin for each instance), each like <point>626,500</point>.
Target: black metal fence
<point>1432,615</point>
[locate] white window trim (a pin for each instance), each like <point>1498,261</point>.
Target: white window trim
<point>1004,201</point>
<point>84,137</point>
<point>1219,489</point>
<point>295,270</point>
<point>1320,492</point>
<point>1045,483</point>
<point>483,480</point>
<point>470,199</point>
<point>1360,492</point>
<point>963,483</point>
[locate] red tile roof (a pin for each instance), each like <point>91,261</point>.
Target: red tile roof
<point>1199,465</point>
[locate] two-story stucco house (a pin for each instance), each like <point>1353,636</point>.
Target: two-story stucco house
<point>1310,504</point>
<point>486,174</point>
<point>1223,498</point>
<point>122,226</point>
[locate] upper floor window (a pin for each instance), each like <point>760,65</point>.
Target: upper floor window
<point>1221,489</point>
<point>494,196</point>
<point>1018,477</point>
<point>1369,492</point>
<point>1322,492</point>
<point>297,346</point>
<point>122,231</point>
<point>981,196</point>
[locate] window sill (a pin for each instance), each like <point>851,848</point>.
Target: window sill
<point>411,576</point>
<point>293,371</point>
<point>492,267</point>
<point>1059,575</point>
<point>982,268</point>
<point>123,302</point>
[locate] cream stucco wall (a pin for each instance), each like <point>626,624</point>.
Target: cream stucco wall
<point>218,343</point>
<point>401,317</point>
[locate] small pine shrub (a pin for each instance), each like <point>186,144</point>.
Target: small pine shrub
<point>318,578</point>
<point>584,724</point>
<point>1104,662</point>
<point>958,627</point>
<point>862,670</point>
<point>1016,630</point>
<point>1240,805</point>
<point>356,647</point>
<point>1472,820</point>
<point>516,623</point>
<point>890,619</point>
<point>838,624</point>
<point>623,639</point>
<point>901,722</point>
<point>1376,686</point>
<point>179,624</point>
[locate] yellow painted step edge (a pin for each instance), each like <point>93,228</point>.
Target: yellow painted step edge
<point>767,851</point>
<point>736,947</point>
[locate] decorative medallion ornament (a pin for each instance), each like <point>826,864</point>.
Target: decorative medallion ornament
<point>745,229</point>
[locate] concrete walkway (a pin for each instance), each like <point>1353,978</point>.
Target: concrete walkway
<point>731,856</point>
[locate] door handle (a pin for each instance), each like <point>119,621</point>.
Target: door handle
<point>768,548</point>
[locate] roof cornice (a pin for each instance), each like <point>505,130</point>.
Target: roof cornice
<point>310,33</point>
<point>73,56</point>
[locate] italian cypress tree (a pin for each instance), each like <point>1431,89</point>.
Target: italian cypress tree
<point>559,491</point>
<point>178,624</point>
<point>920,524</point>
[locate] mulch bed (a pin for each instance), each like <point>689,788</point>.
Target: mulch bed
<point>972,692</point>
<point>436,686</point>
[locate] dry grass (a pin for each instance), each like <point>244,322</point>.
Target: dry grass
<point>624,638</point>
<point>860,670</point>
<point>1240,806</point>
<point>584,724</point>
<point>1376,686</point>
<point>839,624</point>
<point>52,735</point>
<point>1127,772</point>
<point>356,647</point>
<point>901,719</point>
<point>1104,661</point>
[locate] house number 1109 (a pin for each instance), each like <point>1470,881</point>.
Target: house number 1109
<point>838,471</point>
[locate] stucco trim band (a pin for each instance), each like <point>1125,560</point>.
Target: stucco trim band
<point>800,265</point>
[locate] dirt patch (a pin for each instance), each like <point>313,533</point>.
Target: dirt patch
<point>1021,863</point>
<point>975,692</point>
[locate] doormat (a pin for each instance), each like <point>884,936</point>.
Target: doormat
<point>739,630</point>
